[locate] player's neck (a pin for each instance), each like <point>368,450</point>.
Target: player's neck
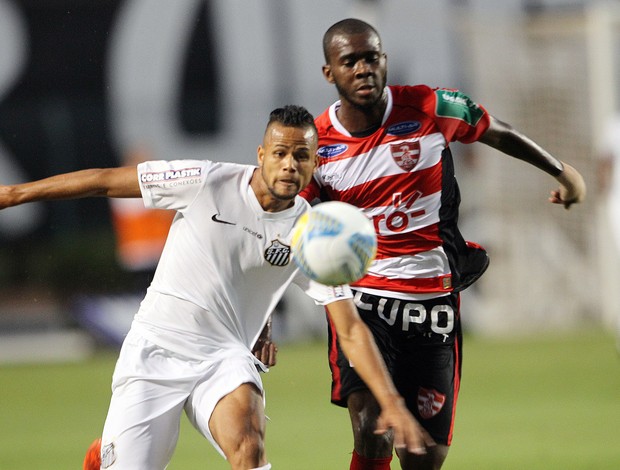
<point>268,201</point>
<point>359,120</point>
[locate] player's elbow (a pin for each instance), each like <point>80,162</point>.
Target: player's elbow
<point>355,335</point>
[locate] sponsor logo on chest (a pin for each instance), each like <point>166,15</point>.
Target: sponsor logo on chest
<point>404,128</point>
<point>334,150</point>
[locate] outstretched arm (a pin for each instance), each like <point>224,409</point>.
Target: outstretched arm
<point>359,346</point>
<point>110,182</point>
<point>506,139</point>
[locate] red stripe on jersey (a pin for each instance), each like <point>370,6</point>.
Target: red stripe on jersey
<point>408,243</point>
<point>311,192</point>
<point>380,192</point>
<point>411,285</point>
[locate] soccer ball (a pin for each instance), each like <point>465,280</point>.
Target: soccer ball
<point>334,243</point>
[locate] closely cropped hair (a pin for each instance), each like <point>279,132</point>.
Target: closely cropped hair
<point>347,27</point>
<point>292,116</point>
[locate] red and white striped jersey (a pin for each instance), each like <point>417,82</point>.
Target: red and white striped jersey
<point>402,177</point>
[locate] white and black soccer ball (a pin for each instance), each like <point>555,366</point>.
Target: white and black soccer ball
<point>334,243</point>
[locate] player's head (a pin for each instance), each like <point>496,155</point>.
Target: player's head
<point>287,157</point>
<point>292,116</point>
<point>355,62</point>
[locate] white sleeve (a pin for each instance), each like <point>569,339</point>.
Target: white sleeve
<point>320,293</point>
<point>172,184</point>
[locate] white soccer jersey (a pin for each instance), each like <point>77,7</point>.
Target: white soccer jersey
<point>226,262</point>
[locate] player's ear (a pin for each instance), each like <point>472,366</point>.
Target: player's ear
<point>327,73</point>
<point>316,161</point>
<point>260,155</point>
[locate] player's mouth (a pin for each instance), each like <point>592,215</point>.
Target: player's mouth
<point>365,90</point>
<point>289,183</point>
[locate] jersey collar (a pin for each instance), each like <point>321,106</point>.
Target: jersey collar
<point>340,128</point>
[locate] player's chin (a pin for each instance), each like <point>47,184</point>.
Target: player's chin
<point>366,101</point>
<point>286,191</point>
<point>284,195</point>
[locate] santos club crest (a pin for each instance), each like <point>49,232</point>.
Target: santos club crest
<point>406,154</point>
<point>278,254</point>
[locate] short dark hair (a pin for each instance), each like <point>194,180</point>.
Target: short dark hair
<point>292,116</point>
<point>347,27</point>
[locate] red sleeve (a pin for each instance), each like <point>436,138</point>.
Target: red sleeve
<point>311,192</point>
<point>458,117</point>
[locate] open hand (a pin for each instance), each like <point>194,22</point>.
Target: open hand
<point>408,434</point>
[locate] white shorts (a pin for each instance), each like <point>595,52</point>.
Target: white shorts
<point>150,388</point>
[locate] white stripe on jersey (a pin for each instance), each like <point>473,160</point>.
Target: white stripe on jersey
<point>430,263</point>
<point>422,213</point>
<point>346,173</point>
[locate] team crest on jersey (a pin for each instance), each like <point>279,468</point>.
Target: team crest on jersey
<point>406,154</point>
<point>430,402</point>
<point>278,254</point>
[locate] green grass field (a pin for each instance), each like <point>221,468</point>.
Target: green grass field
<point>551,402</point>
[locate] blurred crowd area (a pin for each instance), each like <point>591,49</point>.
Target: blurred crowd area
<point>115,82</point>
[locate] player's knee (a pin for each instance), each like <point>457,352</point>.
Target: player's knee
<point>372,445</point>
<point>248,451</point>
<point>364,411</point>
<point>432,460</point>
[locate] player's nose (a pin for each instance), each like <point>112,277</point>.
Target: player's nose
<point>289,162</point>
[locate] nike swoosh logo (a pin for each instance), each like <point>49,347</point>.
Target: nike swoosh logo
<point>220,221</point>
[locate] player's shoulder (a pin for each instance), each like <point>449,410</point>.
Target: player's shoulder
<point>229,168</point>
<point>439,102</point>
<point>301,205</point>
<point>410,91</point>
<point>323,122</point>
<point>420,92</point>
<point>229,176</point>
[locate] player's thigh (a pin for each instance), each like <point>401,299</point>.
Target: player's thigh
<point>428,377</point>
<point>238,421</point>
<point>149,390</point>
<point>147,444</point>
<point>345,380</point>
<point>230,403</point>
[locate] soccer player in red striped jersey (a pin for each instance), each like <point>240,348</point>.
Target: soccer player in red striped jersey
<point>386,150</point>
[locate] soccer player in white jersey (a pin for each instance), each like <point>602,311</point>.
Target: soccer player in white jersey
<point>386,150</point>
<point>225,265</point>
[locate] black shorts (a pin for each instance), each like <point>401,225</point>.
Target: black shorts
<point>421,344</point>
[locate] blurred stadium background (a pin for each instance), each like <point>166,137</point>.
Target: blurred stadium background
<point>114,82</point>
